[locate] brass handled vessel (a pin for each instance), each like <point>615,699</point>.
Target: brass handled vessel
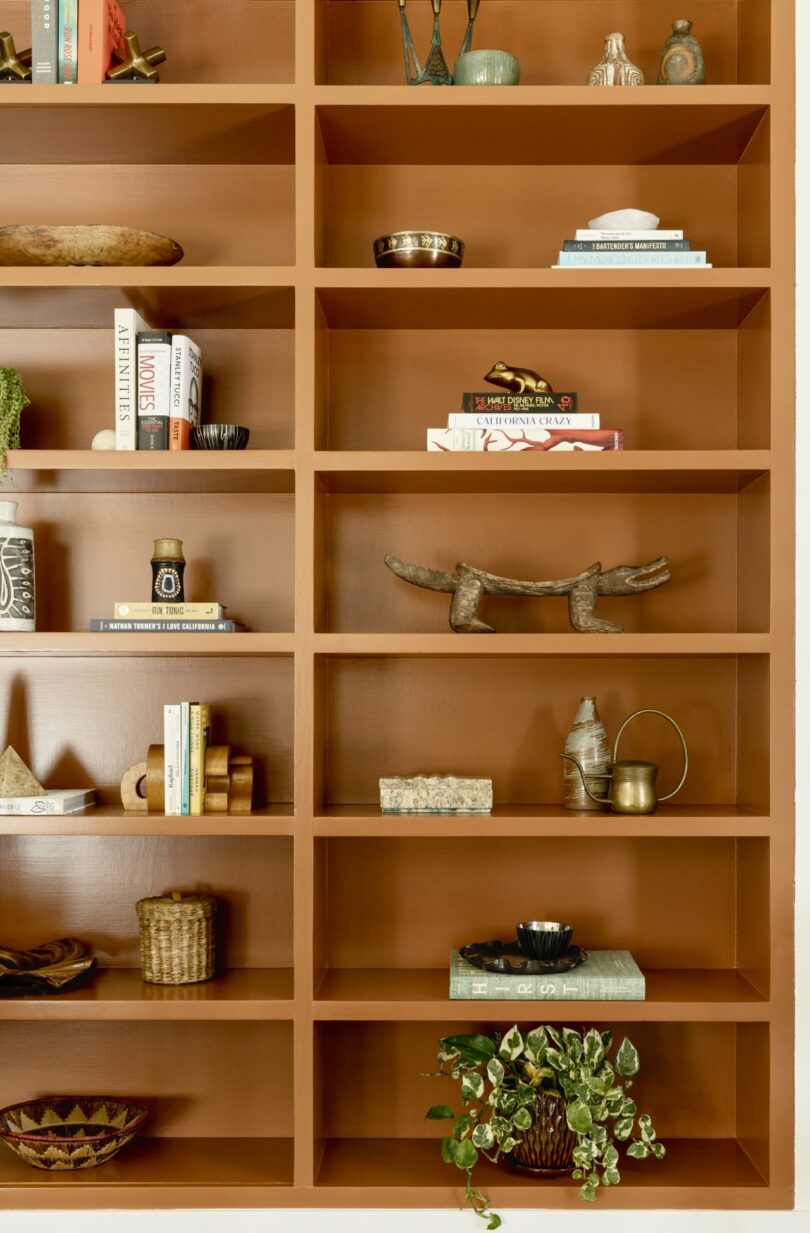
<point>632,788</point>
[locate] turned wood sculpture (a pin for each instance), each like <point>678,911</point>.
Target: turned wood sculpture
<point>228,782</point>
<point>468,584</point>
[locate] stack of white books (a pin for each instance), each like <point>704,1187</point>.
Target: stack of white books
<point>629,250</point>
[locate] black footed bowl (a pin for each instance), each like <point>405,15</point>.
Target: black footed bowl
<point>543,939</point>
<point>219,437</point>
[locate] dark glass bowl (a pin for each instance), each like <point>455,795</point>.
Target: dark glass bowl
<point>544,939</point>
<point>219,437</point>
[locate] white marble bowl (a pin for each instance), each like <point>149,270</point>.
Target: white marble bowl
<point>486,68</point>
<point>625,220</point>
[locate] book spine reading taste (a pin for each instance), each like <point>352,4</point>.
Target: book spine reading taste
<point>45,42</point>
<point>489,401</point>
<point>68,41</point>
<point>186,391</point>
<point>154,394</point>
<point>127,325</point>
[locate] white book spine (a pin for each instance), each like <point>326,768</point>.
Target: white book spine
<point>186,391</point>
<point>523,419</point>
<point>172,762</point>
<point>185,801</point>
<point>585,233</point>
<point>126,326</point>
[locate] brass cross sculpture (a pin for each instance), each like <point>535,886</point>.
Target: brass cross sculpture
<point>134,64</point>
<point>467,585</point>
<point>14,65</point>
<point>435,69</point>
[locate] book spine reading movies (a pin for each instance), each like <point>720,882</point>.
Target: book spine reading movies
<point>606,976</point>
<point>127,325</point>
<point>137,610</point>
<point>496,440</point>
<point>102,26</point>
<point>68,41</point>
<point>489,401</point>
<point>100,626</point>
<point>186,391</point>
<point>44,42</point>
<point>154,377</point>
<point>521,419</point>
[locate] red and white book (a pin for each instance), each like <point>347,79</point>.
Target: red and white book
<point>102,26</point>
<point>186,391</point>
<point>521,440</point>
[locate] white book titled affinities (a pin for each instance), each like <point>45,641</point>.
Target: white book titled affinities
<point>172,761</point>
<point>127,324</point>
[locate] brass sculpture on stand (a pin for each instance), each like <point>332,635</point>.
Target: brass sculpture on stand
<point>14,65</point>
<point>468,584</point>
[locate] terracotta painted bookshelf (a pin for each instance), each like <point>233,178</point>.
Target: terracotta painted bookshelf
<point>275,159</point>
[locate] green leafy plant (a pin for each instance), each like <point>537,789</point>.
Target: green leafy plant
<point>499,1078</point>
<point>13,401</point>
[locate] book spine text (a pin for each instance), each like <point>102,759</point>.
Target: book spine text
<point>154,374</point>
<point>186,391</point>
<point>44,42</point>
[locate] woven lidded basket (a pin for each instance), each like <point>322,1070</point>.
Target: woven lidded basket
<point>177,938</point>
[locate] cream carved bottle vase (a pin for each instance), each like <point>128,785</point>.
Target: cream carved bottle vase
<point>615,69</point>
<point>17,582</point>
<point>587,741</point>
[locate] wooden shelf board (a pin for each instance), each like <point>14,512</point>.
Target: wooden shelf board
<point>525,821</point>
<point>475,133</point>
<point>158,471</point>
<point>121,993</point>
<point>636,471</point>
<point>420,994</point>
<point>280,95</point>
<point>369,278</point>
<point>148,276</point>
<point>472,645</point>
<point>695,1172</point>
<point>540,96</point>
<point>111,645</point>
<point>112,820</point>
<point>174,1172</point>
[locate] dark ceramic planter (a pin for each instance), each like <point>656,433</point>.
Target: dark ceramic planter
<point>548,1145</point>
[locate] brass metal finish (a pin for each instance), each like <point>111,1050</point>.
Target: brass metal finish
<point>134,63</point>
<point>435,70</point>
<point>517,380</point>
<point>168,550</point>
<point>468,584</point>
<point>632,789</point>
<point>14,65</point>
<point>418,250</point>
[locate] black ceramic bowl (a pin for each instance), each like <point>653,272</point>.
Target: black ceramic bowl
<point>219,437</point>
<point>543,939</point>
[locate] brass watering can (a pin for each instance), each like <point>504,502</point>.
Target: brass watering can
<point>632,789</point>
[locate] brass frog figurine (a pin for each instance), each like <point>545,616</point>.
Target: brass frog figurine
<point>518,380</point>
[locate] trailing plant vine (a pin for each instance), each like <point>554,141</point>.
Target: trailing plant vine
<point>13,401</point>
<point>499,1079</point>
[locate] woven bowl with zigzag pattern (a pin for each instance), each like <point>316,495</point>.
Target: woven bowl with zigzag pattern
<point>70,1132</point>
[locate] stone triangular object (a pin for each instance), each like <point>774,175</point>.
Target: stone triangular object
<point>15,777</point>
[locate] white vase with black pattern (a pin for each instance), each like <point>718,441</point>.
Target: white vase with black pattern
<point>17,580</point>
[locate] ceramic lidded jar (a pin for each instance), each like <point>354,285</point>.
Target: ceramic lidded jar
<point>17,580</point>
<point>587,741</point>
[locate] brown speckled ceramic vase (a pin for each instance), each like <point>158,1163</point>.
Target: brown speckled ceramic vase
<point>587,741</point>
<point>548,1145</point>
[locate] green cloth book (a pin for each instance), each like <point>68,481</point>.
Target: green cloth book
<point>605,976</point>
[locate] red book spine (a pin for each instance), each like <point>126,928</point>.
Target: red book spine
<point>101,28</point>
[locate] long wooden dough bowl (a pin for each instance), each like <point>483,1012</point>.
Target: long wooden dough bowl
<point>97,244</point>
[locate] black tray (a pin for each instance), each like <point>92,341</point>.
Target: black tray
<point>507,959</point>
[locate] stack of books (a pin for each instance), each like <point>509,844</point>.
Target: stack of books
<point>629,250</point>
<point>498,421</point>
<point>186,736</point>
<point>158,386</point>
<point>606,976</point>
<point>51,801</point>
<point>136,617</point>
<point>73,40</point>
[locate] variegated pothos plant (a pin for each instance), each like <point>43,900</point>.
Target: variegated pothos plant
<point>499,1078</point>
